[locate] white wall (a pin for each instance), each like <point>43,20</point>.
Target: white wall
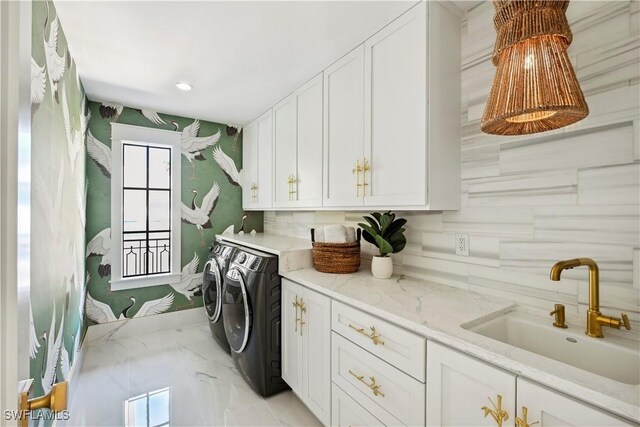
<point>530,201</point>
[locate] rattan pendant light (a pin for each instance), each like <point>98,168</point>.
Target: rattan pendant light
<point>535,88</point>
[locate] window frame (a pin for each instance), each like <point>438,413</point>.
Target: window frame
<point>122,134</point>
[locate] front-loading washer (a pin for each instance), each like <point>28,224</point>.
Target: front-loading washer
<point>212,289</point>
<point>251,312</point>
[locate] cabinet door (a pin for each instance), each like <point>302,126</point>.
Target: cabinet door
<point>265,161</point>
<point>284,140</point>
<point>343,129</point>
<point>549,408</point>
<point>316,338</point>
<point>250,166</point>
<point>291,337</point>
<point>346,412</point>
<point>309,148</point>
<point>396,111</point>
<point>458,386</point>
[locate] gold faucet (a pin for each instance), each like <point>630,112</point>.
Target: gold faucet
<point>595,319</point>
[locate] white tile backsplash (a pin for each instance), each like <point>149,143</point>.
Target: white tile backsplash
<point>529,201</point>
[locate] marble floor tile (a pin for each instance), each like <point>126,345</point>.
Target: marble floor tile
<point>180,376</point>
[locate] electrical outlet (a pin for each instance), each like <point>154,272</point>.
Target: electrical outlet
<point>462,244</point>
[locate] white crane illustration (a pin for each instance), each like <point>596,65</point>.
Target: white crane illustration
<point>199,215</point>
<point>227,165</point>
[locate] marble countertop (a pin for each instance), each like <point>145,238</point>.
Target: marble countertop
<point>268,242</point>
<point>437,311</point>
<point>293,253</point>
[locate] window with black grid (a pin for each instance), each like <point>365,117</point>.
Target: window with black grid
<point>146,210</point>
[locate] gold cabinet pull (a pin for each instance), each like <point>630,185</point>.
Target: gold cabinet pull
<point>374,335</point>
<point>356,170</point>
<point>303,309</point>
<point>497,413</point>
<point>291,180</point>
<point>296,304</point>
<point>523,422</point>
<point>366,167</point>
<point>254,192</point>
<point>375,388</point>
<point>55,400</point>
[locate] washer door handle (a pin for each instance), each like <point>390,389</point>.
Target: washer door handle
<point>247,315</point>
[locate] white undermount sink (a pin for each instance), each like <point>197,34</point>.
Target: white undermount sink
<point>611,357</point>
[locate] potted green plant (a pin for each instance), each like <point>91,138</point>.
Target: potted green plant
<point>387,233</point>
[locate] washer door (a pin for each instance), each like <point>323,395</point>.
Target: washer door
<point>212,290</point>
<point>236,311</point>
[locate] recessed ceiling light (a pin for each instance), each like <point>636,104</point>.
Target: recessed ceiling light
<point>184,86</point>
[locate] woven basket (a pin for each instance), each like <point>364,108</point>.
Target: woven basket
<point>339,258</point>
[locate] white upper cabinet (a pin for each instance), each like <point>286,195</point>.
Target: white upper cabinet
<point>309,144</point>
<point>297,135</point>
<point>395,112</point>
<point>257,157</point>
<point>250,166</point>
<point>344,130</point>
<point>379,128</point>
<point>284,142</point>
<point>392,116</point>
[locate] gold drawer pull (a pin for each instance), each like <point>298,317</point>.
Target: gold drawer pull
<point>374,335</point>
<point>524,422</point>
<point>497,413</point>
<point>375,388</point>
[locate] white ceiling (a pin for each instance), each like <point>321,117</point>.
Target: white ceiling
<point>240,57</point>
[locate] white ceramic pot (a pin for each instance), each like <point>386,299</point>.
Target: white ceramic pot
<point>381,267</point>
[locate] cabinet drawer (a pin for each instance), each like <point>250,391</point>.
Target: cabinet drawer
<point>397,346</point>
<point>371,380</point>
<point>346,412</point>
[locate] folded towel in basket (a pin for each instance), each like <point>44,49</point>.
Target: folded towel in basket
<point>335,234</point>
<point>351,234</point>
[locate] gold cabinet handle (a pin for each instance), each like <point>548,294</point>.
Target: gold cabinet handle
<point>523,422</point>
<point>375,388</point>
<point>303,309</point>
<point>296,305</point>
<point>55,400</point>
<point>366,167</point>
<point>356,170</point>
<point>254,192</point>
<point>374,335</point>
<point>497,413</point>
<point>291,180</point>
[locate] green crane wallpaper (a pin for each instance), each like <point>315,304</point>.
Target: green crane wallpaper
<point>59,120</point>
<point>211,164</point>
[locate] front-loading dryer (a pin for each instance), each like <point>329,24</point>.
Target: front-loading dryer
<point>212,289</point>
<point>251,313</point>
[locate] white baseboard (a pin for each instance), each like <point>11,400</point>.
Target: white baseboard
<point>144,325</point>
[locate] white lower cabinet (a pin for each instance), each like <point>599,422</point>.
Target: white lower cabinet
<point>463,391</point>
<point>346,412</point>
<point>391,395</point>
<point>546,408</point>
<point>306,347</point>
<point>459,386</point>
<point>352,368</point>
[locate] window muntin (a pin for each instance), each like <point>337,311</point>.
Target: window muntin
<point>154,186</point>
<point>146,209</point>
